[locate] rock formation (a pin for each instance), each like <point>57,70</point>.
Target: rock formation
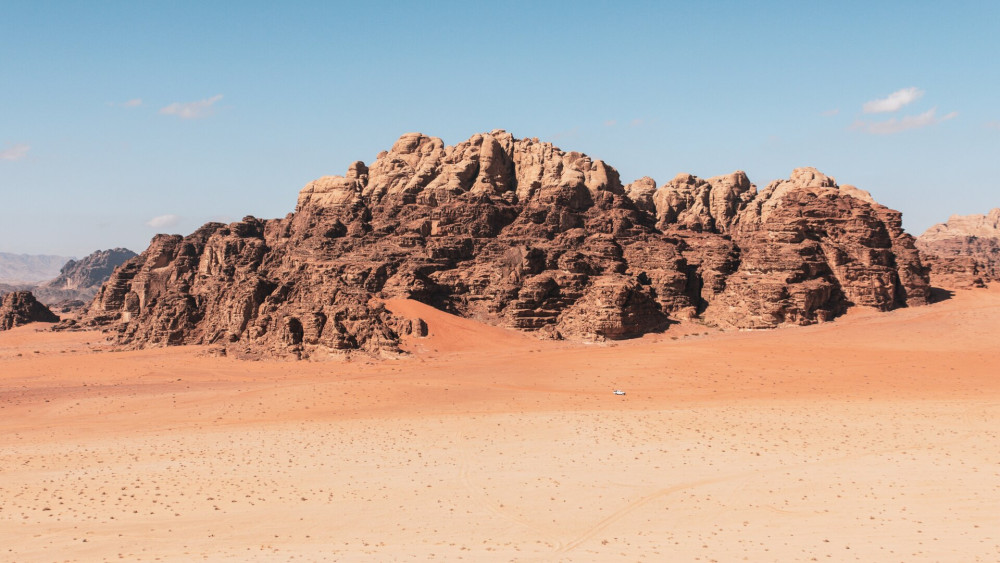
<point>20,308</point>
<point>519,233</point>
<point>810,249</point>
<point>964,252</point>
<point>80,279</point>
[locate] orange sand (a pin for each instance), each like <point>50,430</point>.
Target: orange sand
<point>873,438</point>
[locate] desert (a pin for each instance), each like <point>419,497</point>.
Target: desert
<point>870,438</point>
<point>538,281</point>
<point>498,351</point>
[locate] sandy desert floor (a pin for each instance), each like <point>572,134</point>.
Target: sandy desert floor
<point>874,438</point>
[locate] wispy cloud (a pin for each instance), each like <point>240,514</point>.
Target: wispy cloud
<point>15,152</point>
<point>164,221</point>
<point>992,125</point>
<point>893,102</point>
<point>611,123</point>
<point>830,112</point>
<point>890,126</point>
<point>564,135</point>
<point>636,122</point>
<point>191,110</point>
<point>133,103</point>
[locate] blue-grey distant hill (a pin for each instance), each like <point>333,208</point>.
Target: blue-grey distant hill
<point>79,280</point>
<point>73,282</point>
<point>19,269</point>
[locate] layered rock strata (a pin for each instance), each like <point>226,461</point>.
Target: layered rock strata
<point>518,233</point>
<point>20,308</point>
<point>964,252</point>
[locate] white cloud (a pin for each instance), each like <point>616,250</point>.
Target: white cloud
<point>163,221</point>
<point>191,110</point>
<point>15,152</point>
<point>894,125</point>
<point>133,103</point>
<point>893,102</point>
<point>830,112</point>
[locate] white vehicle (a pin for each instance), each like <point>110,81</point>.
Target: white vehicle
<point>619,392</point>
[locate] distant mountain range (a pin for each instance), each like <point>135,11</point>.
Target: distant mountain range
<point>72,280</point>
<point>20,269</point>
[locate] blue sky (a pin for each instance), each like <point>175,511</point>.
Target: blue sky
<point>121,120</point>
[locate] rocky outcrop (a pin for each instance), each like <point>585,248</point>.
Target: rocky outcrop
<point>20,308</point>
<point>688,202</point>
<point>80,279</point>
<point>809,249</point>
<point>519,233</point>
<point>964,252</point>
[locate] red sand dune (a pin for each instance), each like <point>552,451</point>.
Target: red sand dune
<point>871,438</point>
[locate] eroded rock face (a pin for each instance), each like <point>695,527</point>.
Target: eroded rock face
<point>519,233</point>
<point>20,308</point>
<point>964,252</point>
<point>809,249</point>
<point>688,202</point>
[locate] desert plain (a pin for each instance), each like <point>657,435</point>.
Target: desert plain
<point>872,438</point>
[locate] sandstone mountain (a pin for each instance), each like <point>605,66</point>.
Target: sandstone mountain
<point>519,233</point>
<point>80,279</point>
<point>20,308</point>
<point>19,269</point>
<point>965,251</point>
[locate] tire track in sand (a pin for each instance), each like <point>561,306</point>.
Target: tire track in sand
<point>478,495</point>
<point>625,510</point>
<point>636,504</point>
